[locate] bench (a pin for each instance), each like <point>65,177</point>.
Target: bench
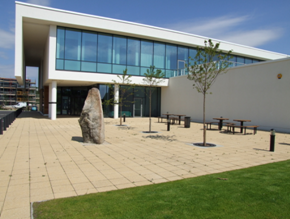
<point>172,119</point>
<point>210,123</point>
<point>161,118</point>
<point>231,126</point>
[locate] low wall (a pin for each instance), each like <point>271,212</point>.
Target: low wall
<point>247,92</point>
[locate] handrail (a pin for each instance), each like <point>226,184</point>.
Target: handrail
<point>6,121</point>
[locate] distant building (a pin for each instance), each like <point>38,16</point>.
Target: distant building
<point>11,92</point>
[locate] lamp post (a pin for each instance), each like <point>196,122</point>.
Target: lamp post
<point>272,140</point>
<point>168,124</point>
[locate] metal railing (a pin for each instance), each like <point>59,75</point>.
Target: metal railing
<point>184,71</point>
<point>7,120</point>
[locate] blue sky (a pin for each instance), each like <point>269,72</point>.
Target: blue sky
<point>263,24</point>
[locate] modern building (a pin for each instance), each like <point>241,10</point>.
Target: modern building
<point>11,92</point>
<point>76,51</point>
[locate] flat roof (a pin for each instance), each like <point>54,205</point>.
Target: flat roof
<point>46,15</point>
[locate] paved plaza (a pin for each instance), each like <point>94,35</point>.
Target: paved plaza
<point>41,159</point>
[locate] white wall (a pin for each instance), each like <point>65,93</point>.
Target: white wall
<point>248,92</point>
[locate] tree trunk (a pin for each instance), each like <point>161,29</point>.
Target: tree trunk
<point>150,110</point>
<point>204,128</point>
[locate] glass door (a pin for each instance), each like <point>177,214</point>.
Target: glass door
<point>137,107</point>
<point>65,105</point>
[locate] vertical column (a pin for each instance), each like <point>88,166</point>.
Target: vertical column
<point>52,100</point>
<point>49,99</point>
<point>116,98</point>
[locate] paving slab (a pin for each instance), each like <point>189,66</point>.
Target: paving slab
<point>41,159</point>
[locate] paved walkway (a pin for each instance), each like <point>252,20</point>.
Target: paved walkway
<point>42,159</point>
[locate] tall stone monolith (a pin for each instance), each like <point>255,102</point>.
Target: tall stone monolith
<point>92,119</point>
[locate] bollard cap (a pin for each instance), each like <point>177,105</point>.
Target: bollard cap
<point>272,132</point>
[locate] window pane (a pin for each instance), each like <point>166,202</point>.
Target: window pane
<point>248,61</point>
<point>60,43</point>
<point>143,70</point>
<point>171,57</point>
<point>106,68</point>
<point>133,55</point>
<point>72,65</point>
<point>146,53</point>
<point>170,73</point>
<point>59,64</point>
<point>233,61</point>
<point>192,54</point>
<point>105,48</point>
<point>159,55</point>
<point>255,60</point>
<point>73,44</point>
<point>118,69</point>
<point>89,66</point>
<point>183,53</point>
<point>119,50</point>
<point>89,47</point>
<point>132,70</point>
<point>240,60</point>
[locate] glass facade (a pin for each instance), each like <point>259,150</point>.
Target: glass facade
<point>70,101</point>
<point>85,51</point>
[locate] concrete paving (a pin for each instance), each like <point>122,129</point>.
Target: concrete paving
<point>42,159</point>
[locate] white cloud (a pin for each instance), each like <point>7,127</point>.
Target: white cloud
<point>229,28</point>
<point>6,39</point>
<point>209,27</point>
<point>255,37</point>
<point>39,2</point>
<point>7,71</point>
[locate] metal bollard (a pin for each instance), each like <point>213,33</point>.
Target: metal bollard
<point>272,140</point>
<point>168,125</point>
<point>124,118</point>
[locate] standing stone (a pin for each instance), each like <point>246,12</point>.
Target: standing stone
<point>92,120</point>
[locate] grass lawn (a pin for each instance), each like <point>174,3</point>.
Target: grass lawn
<point>256,192</point>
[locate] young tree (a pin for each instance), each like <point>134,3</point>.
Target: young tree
<point>152,79</point>
<point>125,90</point>
<point>209,63</point>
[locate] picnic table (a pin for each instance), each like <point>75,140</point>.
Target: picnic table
<point>221,122</point>
<point>242,123</point>
<point>167,115</point>
<point>179,117</point>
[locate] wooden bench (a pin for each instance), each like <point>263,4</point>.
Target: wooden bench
<point>210,123</point>
<point>172,119</point>
<point>230,126</point>
<point>161,118</point>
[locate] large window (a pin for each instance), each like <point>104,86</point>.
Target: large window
<point>146,53</point>
<point>120,50</point>
<point>105,43</point>
<point>159,55</point>
<point>88,51</point>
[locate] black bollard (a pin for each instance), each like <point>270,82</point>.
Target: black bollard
<point>124,118</point>
<point>168,125</point>
<point>272,140</point>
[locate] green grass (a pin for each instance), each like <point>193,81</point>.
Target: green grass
<point>256,192</point>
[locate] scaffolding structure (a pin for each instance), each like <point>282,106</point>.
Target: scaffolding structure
<point>11,92</point>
